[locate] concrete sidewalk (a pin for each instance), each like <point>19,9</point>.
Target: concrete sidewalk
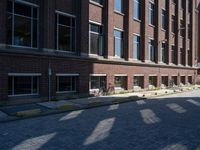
<point>10,113</point>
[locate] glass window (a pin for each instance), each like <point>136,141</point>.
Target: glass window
<point>118,6</point>
<point>182,56</point>
<point>120,82</point>
<point>67,83</point>
<point>173,24</point>
<point>182,30</point>
<point>173,55</point>
<point>138,81</point>
<point>118,43</point>
<point>97,1</point>
<point>136,47</point>
<point>22,24</point>
<point>137,9</point>
<point>23,85</point>
<point>151,50</point>
<point>151,13</point>
<point>97,82</point>
<point>96,39</point>
<point>163,53</point>
<point>153,80</point>
<point>164,80</point>
<point>163,19</point>
<point>66,33</point>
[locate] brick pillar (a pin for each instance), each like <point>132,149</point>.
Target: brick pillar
<point>48,27</point>
<point>84,27</point>
<point>177,38</point>
<point>109,27</point>
<point>185,44</point>
<point>169,30</point>
<point>3,18</point>
<point>144,26</point>
<point>157,30</point>
<point>193,33</point>
<point>146,81</point>
<point>128,29</point>
<point>129,82</point>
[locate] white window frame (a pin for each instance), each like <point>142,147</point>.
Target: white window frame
<point>66,75</point>
<point>25,75</point>
<point>95,75</point>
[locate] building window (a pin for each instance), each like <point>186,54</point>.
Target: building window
<point>190,81</point>
<point>23,85</point>
<point>66,33</point>
<point>22,24</point>
<point>173,55</point>
<point>118,43</point>
<point>189,31</point>
<point>97,1</point>
<point>136,9</point>
<point>182,30</point>
<point>136,47</point>
<point>118,6</point>
<point>164,81</point>
<point>66,83</point>
<point>163,19</point>
<point>153,81</point>
<point>182,56</point>
<point>174,80</point>
<point>173,24</point>
<point>151,50</point>
<point>97,82</point>
<point>96,39</point>
<point>183,80</point>
<point>151,13</point>
<point>138,81</point>
<point>120,82</point>
<point>163,53</point>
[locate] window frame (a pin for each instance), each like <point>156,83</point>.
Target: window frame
<point>13,75</point>
<point>135,17</point>
<point>100,50</point>
<point>138,43</point>
<point>66,75</point>
<point>57,13</point>
<point>32,5</point>
<point>121,42</point>
<point>99,76</point>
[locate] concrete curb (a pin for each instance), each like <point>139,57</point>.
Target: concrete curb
<point>26,113</point>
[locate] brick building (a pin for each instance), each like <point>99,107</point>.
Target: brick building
<point>58,48</point>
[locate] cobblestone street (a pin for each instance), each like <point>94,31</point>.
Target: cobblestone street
<point>165,123</point>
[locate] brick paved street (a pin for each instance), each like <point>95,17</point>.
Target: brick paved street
<point>166,123</point>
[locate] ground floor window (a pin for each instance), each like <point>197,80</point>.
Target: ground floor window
<point>164,81</point>
<point>97,82</point>
<point>153,81</point>
<point>190,80</point>
<point>138,81</point>
<point>174,80</point>
<point>183,79</point>
<point>23,85</point>
<point>120,82</point>
<point>66,83</point>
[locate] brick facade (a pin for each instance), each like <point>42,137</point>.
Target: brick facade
<point>26,60</point>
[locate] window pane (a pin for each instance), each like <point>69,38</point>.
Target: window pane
<point>35,85</point>
<point>94,42</point>
<point>118,5</point>
<point>120,82</point>
<point>22,34</point>
<point>35,33</point>
<point>22,9</point>
<point>64,20</point>
<point>136,9</point>
<point>22,85</point>
<point>9,29</point>
<point>64,38</point>
<point>66,84</point>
